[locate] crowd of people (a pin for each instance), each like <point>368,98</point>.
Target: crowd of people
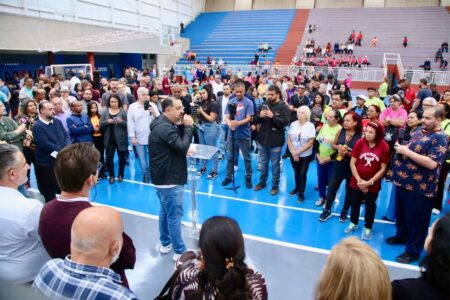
<point>77,126</point>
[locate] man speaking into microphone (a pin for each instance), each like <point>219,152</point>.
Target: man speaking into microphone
<point>169,141</point>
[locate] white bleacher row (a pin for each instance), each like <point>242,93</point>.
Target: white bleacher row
<point>358,74</point>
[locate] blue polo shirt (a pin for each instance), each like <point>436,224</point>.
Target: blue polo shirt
<point>244,108</point>
<point>413,177</point>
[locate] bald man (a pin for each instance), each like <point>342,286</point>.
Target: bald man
<point>96,242</point>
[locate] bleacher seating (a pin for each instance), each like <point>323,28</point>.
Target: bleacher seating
<point>425,27</point>
<point>235,36</point>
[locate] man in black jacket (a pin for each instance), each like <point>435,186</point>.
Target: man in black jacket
<point>169,141</point>
<point>272,118</point>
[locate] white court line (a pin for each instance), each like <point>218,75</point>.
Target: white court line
<point>261,203</point>
<point>265,240</point>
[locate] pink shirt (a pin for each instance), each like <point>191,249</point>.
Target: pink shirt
<point>400,113</point>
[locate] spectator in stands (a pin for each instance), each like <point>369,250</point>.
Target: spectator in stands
<point>97,135</point>
<point>446,97</point>
<point>424,92</point>
<point>434,93</point>
<point>114,89</point>
<point>362,274</point>
<point>426,65</point>
<point>300,142</point>
<point>223,102</point>
<point>435,267</point>
<point>39,95</point>
<point>21,250</point>
<point>218,271</point>
<point>113,123</point>
<point>124,89</point>
<point>208,133</point>
<point>95,240</point>
<point>370,158</point>
<point>344,143</point>
<point>76,169</point>
<point>241,127</point>
<point>359,39</point>
<point>14,101</point>
<point>317,109</point>
<point>361,108</point>
<point>373,115</point>
<point>217,84</point>
<point>78,89</point>
<point>438,56</point>
<point>444,47</point>
<point>374,42</point>
<point>50,137</point>
<point>346,96</point>
<point>383,89</point>
<point>140,115</point>
<point>27,90</point>
<point>326,137</point>
<point>79,124</point>
<point>271,120</point>
<point>85,99</point>
<point>373,99</point>
<point>444,64</point>
<point>59,112</point>
<point>425,153</point>
<point>66,97</point>
<point>410,95</point>
<point>405,41</point>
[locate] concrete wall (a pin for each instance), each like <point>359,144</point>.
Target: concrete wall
<point>374,3</point>
<point>411,3</point>
<point>243,5</point>
<point>219,5</point>
<point>338,4</point>
<point>304,4</point>
<point>273,4</point>
<point>445,2</point>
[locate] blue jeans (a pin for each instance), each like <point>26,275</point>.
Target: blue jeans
<point>274,154</point>
<point>324,173</point>
<point>141,152</point>
<point>170,214</point>
<point>208,135</point>
<point>223,138</point>
<point>244,145</point>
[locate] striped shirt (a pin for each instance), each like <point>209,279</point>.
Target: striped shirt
<point>66,279</point>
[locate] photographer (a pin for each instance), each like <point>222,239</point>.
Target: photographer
<point>139,116</point>
<point>208,114</point>
<point>238,115</point>
<point>272,117</point>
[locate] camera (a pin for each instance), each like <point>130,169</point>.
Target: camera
<point>232,108</point>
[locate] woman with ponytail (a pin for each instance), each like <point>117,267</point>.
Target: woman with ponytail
<point>218,271</point>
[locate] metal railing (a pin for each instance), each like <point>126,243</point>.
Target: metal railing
<point>358,74</point>
<point>437,77</point>
<point>393,59</point>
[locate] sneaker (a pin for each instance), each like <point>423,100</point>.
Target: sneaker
<point>350,228</point>
<point>226,181</point>
<point>320,202</point>
<point>406,258</point>
<point>259,186</point>
<point>325,215</point>
<point>301,198</point>
<point>435,211</point>
<point>176,256</point>
<point>212,175</point>
<point>274,191</point>
<point>367,234</point>
<point>248,183</point>
<point>259,167</point>
<point>220,157</point>
<point>165,249</point>
<point>236,168</point>
<point>201,171</point>
<point>395,240</point>
<point>293,192</point>
<point>343,218</point>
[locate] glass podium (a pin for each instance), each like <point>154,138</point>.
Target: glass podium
<point>197,151</point>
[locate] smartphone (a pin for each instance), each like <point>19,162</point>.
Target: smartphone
<point>115,119</point>
<point>264,107</point>
<point>146,105</point>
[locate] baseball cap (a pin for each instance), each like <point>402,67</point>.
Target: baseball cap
<point>362,96</point>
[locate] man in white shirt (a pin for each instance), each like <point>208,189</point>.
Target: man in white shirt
<point>140,115</point>
<point>73,81</point>
<point>21,251</point>
<point>217,84</point>
<point>223,101</point>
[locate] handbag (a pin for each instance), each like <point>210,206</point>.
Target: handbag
<point>167,290</point>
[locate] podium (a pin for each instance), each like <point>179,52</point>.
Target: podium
<point>197,152</point>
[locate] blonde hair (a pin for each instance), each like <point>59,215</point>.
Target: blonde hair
<point>353,271</point>
<point>306,110</point>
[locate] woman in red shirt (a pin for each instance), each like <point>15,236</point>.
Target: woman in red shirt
<point>370,158</point>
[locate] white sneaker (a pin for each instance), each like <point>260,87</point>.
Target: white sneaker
<point>236,168</point>
<point>165,249</point>
<point>320,202</point>
<point>176,256</point>
<point>435,211</point>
